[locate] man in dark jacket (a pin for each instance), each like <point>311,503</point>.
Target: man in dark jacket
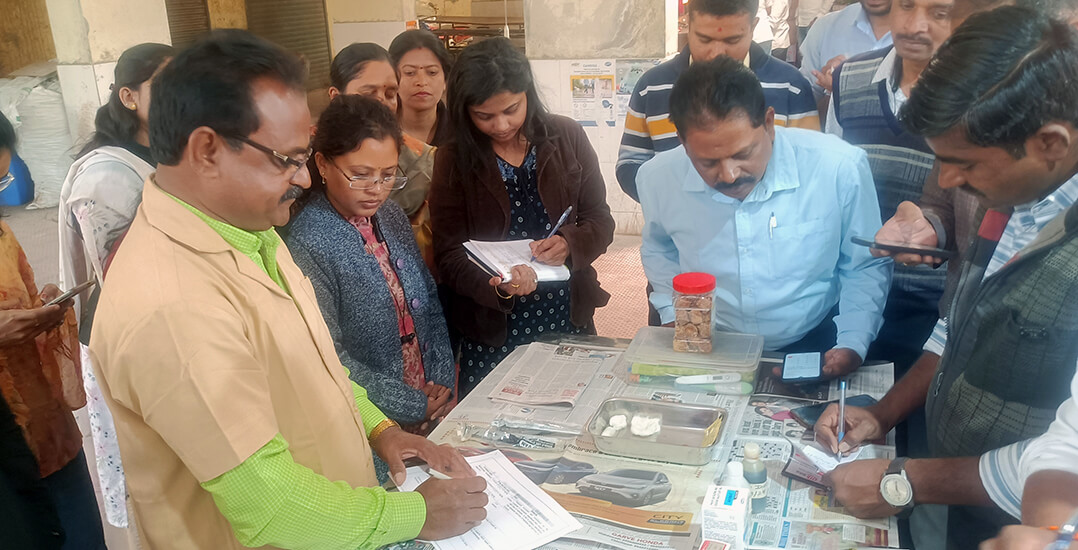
<point>996,373</point>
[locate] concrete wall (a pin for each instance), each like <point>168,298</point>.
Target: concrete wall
<point>367,21</point>
<point>447,7</point>
<point>571,29</point>
<point>495,8</point>
<point>562,35</point>
<point>90,35</point>
<point>27,37</point>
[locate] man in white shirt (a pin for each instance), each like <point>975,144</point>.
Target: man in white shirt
<point>1036,480</point>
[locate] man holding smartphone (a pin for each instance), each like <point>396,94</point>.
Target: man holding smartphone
<point>996,372</point>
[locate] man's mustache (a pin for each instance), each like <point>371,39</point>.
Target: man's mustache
<point>915,38</point>
<point>743,180</point>
<point>294,192</point>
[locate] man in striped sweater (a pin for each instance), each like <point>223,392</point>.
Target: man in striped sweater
<point>716,27</point>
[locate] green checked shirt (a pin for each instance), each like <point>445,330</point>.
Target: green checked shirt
<point>270,500</point>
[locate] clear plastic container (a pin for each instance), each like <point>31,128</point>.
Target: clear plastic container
<point>652,361</point>
<point>694,298</point>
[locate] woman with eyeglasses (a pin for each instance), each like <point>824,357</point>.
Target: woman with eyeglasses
<point>366,69</point>
<point>376,294</point>
<point>510,173</point>
<point>98,200</point>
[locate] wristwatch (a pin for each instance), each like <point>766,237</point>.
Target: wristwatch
<point>895,487</point>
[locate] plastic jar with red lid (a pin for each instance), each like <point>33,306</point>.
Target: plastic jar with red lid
<point>694,299</point>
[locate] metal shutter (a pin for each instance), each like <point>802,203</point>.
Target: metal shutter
<point>298,25</point>
<point>188,20</point>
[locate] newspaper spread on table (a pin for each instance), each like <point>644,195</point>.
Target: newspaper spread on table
<point>797,516</point>
<point>550,374</point>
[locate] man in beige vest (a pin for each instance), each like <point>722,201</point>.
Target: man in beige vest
<point>237,423</point>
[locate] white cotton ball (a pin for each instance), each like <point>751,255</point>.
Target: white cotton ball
<point>645,426</point>
<point>618,421</point>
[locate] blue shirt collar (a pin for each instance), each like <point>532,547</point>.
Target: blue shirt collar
<point>780,175</point>
<point>864,25</point>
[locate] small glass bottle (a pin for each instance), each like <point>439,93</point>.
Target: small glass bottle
<point>756,475</point>
<point>694,298</point>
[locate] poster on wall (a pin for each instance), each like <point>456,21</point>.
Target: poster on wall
<point>591,87</point>
<point>628,73</point>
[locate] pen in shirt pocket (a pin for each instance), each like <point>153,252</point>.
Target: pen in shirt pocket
<point>771,225</point>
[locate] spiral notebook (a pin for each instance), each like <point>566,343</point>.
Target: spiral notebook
<point>497,259</point>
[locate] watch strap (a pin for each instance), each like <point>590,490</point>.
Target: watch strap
<point>897,466</point>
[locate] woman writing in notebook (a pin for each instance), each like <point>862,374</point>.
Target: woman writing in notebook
<point>510,172</point>
<point>375,292</point>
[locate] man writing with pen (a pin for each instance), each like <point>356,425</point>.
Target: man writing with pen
<point>995,372</point>
<point>768,211</point>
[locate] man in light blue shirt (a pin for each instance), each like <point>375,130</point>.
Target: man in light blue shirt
<point>770,212</point>
<point>860,27</point>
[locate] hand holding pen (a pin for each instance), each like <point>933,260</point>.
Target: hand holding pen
<point>554,249</point>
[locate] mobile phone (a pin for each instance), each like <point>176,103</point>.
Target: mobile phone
<point>809,414</point>
<point>904,248</point>
<point>74,291</point>
<point>802,367</point>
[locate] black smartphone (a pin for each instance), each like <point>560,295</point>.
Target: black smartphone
<point>802,367</point>
<point>907,248</point>
<point>809,414</point>
<point>71,293</point>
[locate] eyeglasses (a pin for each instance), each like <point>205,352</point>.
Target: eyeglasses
<point>282,160</point>
<point>364,183</point>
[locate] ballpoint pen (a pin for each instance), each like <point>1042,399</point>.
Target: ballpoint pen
<point>841,413</point>
<point>771,225</point>
<point>1066,534</point>
<point>557,226</point>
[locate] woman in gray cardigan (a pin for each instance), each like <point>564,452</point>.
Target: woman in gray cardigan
<point>357,247</point>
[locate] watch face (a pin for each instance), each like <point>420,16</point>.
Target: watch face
<point>896,490</point>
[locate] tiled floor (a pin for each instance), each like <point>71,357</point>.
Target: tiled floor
<point>621,274</point>
<point>36,231</point>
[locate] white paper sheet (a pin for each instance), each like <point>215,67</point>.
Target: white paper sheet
<point>520,516</point>
<point>825,460</point>
<point>501,256</point>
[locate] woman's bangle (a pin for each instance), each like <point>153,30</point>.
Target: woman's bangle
<point>382,427</point>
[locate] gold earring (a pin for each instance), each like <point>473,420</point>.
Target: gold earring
<point>132,106</point>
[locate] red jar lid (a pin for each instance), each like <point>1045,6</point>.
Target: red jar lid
<point>694,283</point>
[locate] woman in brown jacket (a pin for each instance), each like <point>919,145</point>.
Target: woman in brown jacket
<point>510,172</point>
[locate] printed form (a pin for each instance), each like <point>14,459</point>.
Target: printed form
<point>520,516</point>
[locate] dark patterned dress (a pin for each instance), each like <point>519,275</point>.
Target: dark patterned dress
<point>544,311</point>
